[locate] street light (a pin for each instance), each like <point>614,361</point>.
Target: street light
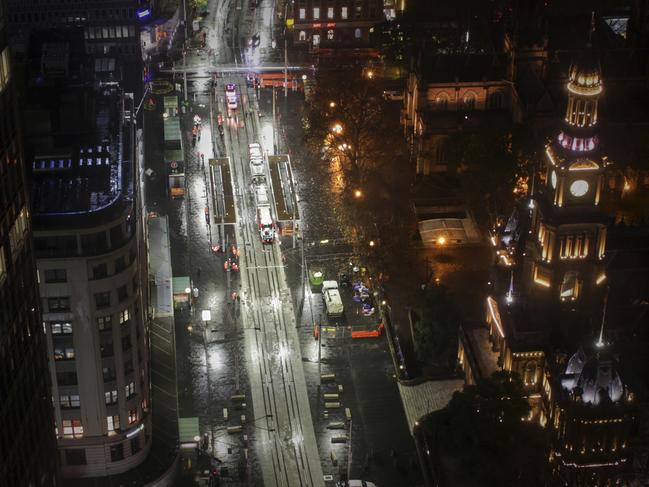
<point>372,243</point>
<point>358,193</point>
<point>337,129</point>
<point>332,104</point>
<point>441,240</point>
<point>370,74</point>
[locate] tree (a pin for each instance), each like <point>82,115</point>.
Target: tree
<point>349,122</point>
<point>436,330</point>
<point>483,426</point>
<point>493,158</point>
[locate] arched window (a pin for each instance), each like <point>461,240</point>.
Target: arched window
<point>330,35</point>
<point>357,33</point>
<point>469,101</point>
<point>496,100</point>
<point>441,101</point>
<point>302,36</point>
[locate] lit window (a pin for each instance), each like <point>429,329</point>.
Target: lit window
<point>111,397</point>
<point>132,416</point>
<point>330,34</point>
<point>302,36</point>
<point>4,68</point>
<point>72,428</point>
<point>469,101</point>
<point>60,327</point>
<point>18,230</point>
<point>104,322</point>
<point>316,13</point>
<point>112,424</point>
<point>570,286</point>
<point>123,316</point>
<point>130,390</point>
<point>330,12</point>
<point>63,348</point>
<point>302,13</point>
<point>343,12</point>
<point>68,402</point>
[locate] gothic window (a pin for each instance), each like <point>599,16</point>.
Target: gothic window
<point>496,100</point>
<point>469,101</point>
<point>441,102</point>
<point>569,286</point>
<point>302,36</point>
<point>529,373</point>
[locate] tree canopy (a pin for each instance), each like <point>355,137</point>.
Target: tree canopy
<point>436,330</point>
<point>483,425</point>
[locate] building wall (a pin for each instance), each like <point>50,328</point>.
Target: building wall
<point>27,442</point>
<point>332,22</point>
<point>97,351</point>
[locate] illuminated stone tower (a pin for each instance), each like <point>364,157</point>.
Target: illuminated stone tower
<point>567,232</point>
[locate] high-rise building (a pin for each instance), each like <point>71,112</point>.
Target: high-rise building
<point>108,25</point>
<point>27,444</point>
<point>89,253</point>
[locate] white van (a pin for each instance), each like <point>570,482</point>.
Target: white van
<point>333,301</point>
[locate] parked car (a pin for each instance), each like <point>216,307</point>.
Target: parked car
<point>393,95</point>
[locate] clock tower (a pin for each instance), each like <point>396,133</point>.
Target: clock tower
<point>568,231</point>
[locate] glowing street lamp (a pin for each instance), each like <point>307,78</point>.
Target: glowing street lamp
<point>337,129</point>
<point>372,243</point>
<point>358,193</point>
<point>332,104</point>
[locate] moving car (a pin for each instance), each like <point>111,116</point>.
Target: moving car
<point>231,96</point>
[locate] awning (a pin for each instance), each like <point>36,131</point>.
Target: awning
<point>188,429</point>
<point>180,284</point>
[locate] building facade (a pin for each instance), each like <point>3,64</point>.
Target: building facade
<point>90,256</point>
<point>448,93</point>
<point>27,442</point>
<point>330,23</point>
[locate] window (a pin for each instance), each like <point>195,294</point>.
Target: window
<point>302,13</point>
<point>441,101</point>
<point>111,397</point>
<point>99,271</point>
<point>55,275</point>
<point>72,428</point>
<point>316,13</point>
<point>117,452</point>
<point>68,402</point>
<point>4,69</point>
<point>104,322</point>
<point>126,342</point>
<point>60,327</point>
<point>469,101</point>
<point>330,12</point>
<point>496,100</point>
<point>66,378</point>
<point>76,456</point>
<point>102,300</point>
<point>132,416</point>
<point>357,33</point>
<point>122,293</point>
<point>135,445</point>
<point>330,34</point>
<point>58,304</point>
<point>63,348</point>
<point>302,36</point>
<point>123,316</point>
<point>343,12</point>
<point>109,374</point>
<point>130,390</point>
<point>112,424</point>
<point>570,286</point>
<point>120,264</point>
<point>358,11</point>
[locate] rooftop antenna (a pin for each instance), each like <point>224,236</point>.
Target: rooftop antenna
<point>592,28</point>
<point>600,342</point>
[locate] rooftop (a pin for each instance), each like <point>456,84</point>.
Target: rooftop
<point>460,68</point>
<point>75,137</point>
